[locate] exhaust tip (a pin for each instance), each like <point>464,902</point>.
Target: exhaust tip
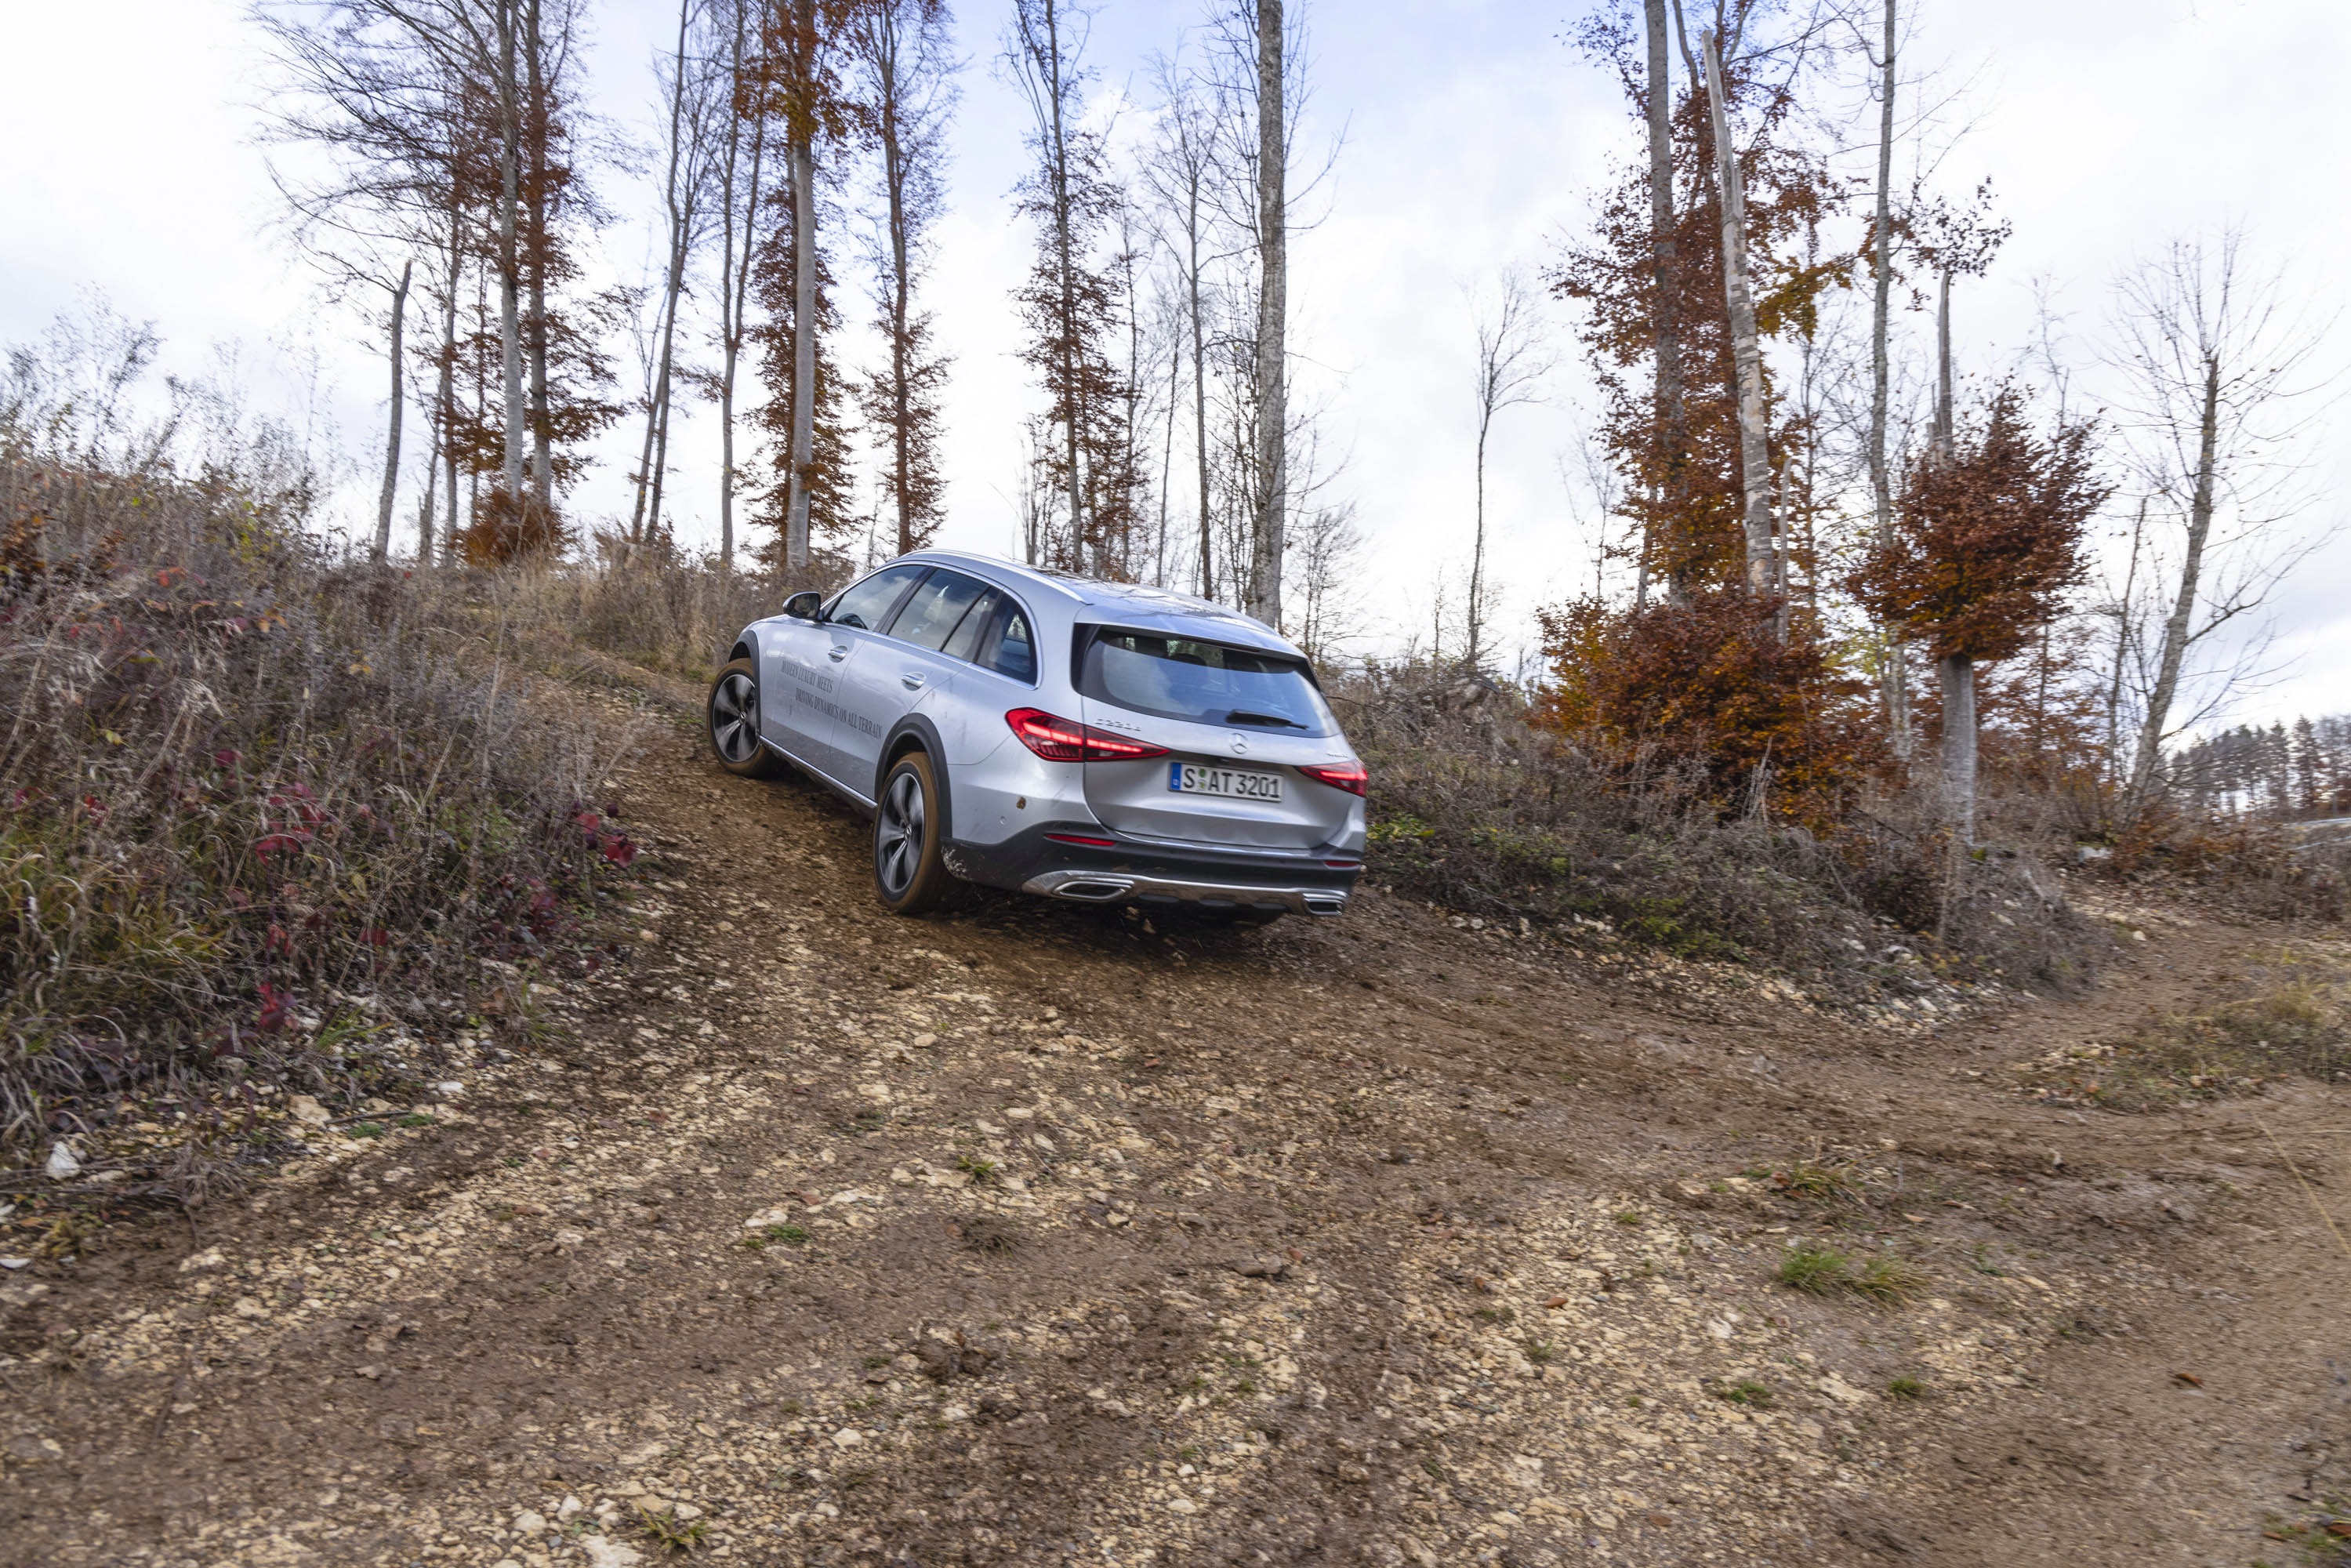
<point>1092,892</point>
<point>1326,906</point>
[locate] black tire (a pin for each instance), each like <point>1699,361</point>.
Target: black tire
<point>731,722</point>
<point>910,873</point>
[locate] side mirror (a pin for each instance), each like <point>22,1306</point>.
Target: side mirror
<point>803,606</point>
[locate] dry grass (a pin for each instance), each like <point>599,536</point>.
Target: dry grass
<point>261,817</point>
<point>1475,809</point>
<point>2284,1010</point>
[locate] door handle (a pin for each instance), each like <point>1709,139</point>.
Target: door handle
<point>839,653</point>
<point>913,680</point>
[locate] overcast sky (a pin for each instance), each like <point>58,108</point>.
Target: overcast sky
<point>1473,138</point>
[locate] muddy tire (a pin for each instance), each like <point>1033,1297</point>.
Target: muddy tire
<point>730,718</point>
<point>910,873</point>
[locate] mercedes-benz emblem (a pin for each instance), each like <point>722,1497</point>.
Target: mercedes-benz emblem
<point>1240,744</point>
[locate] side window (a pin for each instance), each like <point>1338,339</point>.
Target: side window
<point>867,605</point>
<point>963,642</point>
<point>938,608</point>
<point>1008,649</point>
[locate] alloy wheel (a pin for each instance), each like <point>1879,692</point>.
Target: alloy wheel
<point>733,706</point>
<point>898,850</point>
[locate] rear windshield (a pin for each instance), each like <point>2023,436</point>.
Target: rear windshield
<point>1204,683</point>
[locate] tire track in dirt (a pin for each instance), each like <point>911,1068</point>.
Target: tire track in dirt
<point>1380,1242</point>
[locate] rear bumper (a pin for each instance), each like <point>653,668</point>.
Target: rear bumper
<point>1154,874</point>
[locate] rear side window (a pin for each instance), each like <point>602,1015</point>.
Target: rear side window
<point>937,609</point>
<point>1009,648</point>
<point>963,642</point>
<point>868,604</point>
<point>1203,683</point>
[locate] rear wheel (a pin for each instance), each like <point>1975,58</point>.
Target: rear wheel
<point>731,719</point>
<point>910,873</point>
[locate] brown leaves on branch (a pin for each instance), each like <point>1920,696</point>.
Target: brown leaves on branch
<point>1986,545</point>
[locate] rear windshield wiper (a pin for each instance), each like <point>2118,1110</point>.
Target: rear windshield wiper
<point>1242,715</point>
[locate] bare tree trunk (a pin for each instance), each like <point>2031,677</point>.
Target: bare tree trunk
<point>1893,680</point>
<point>1272,325</point>
<point>1478,548</point>
<point>1945,431</point>
<point>449,393</point>
<point>2178,624</point>
<point>802,151</point>
<point>901,304</point>
<point>2122,648</point>
<point>1200,389</point>
<point>444,400</point>
<point>646,519</point>
<point>1957,678</point>
<point>1167,453</point>
<point>735,289</point>
<point>1754,446</point>
<point>509,261</point>
<point>542,456</point>
<point>1065,265</point>
<point>1673,420</point>
<point>391,434</point>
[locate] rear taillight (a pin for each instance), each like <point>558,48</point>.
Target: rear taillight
<point>1064,740</point>
<point>1352,778</point>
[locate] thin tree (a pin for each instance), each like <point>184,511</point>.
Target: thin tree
<point>1070,301</point>
<point>383,547</point>
<point>900,52</point>
<point>1512,360</point>
<point>740,167</point>
<point>1987,542</point>
<point>1272,327</point>
<point>1893,677</point>
<point>1672,415</point>
<point>1738,298</point>
<point>682,183</point>
<point>2218,365</point>
<point>1178,174</point>
<point>802,122</point>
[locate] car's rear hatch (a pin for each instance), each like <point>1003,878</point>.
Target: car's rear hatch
<point>1237,723</point>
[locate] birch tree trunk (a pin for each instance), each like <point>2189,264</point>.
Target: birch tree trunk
<point>542,456</point>
<point>392,435</point>
<point>1272,310</point>
<point>509,261</point>
<point>2178,625</point>
<point>1673,420</point>
<point>802,151</point>
<point>1893,680</point>
<point>1754,446</point>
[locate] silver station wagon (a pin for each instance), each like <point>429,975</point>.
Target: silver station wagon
<point>1021,729</point>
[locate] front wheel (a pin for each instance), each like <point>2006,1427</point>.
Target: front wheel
<point>909,872</point>
<point>731,719</point>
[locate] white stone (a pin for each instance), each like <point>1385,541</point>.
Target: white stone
<point>848,1437</point>
<point>64,1162</point>
<point>308,1110</point>
<point>603,1551</point>
<point>529,1523</point>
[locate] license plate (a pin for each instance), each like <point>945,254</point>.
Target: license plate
<point>1192,778</point>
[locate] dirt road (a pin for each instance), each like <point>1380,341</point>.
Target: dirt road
<point>1040,1236</point>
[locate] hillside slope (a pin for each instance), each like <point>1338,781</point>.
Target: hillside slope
<point>1039,1235</point>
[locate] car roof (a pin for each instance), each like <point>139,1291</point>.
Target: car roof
<point>1132,604</point>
